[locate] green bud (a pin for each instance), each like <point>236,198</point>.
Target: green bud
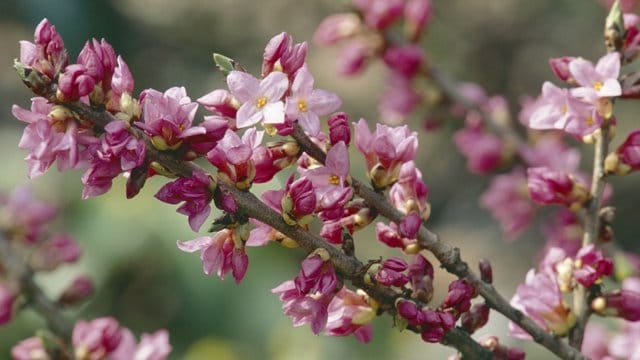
<point>226,64</point>
<point>614,32</point>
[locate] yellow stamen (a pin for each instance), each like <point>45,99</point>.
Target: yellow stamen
<point>302,105</point>
<point>597,85</point>
<point>261,102</point>
<point>334,179</point>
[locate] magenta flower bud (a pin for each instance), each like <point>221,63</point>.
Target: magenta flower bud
<point>339,128</point>
<point>417,15</point>
<point>486,271</point>
<point>219,101</point>
<point>626,158</point>
<point>621,303</point>
<point>405,59</point>
<point>337,27</point>
<point>75,83</point>
<point>391,273</point>
<point>7,297</point>
<point>379,14</point>
<point>29,349</point>
<point>353,57</point>
<point>99,59</point>
<point>196,194</point>
<point>282,55</point>
<point>300,198</point>
<point>459,296</point>
<point>551,187</point>
<point>97,338</point>
<point>48,54</point>
<point>436,325</point>
<point>591,265</point>
<point>395,264</point>
<point>421,277</point>
<point>57,250</point>
<point>410,225</point>
<point>407,309</point>
<point>77,292</point>
<point>560,68</point>
<point>476,318</point>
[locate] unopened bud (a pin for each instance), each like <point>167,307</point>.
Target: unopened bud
<point>614,31</point>
<point>486,271</point>
<point>77,292</point>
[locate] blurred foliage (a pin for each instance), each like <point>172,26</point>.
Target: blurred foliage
<point>146,283</point>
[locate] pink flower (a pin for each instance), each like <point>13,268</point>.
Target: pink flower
<point>7,298</point>
<point>405,60</point>
<point>417,15</point>
<point>299,201</point>
<point>339,128</point>
<point>626,158</point>
<point>261,99</point>
<point>205,136</point>
<point>558,109</point>
<point>306,298</point>
<point>51,135</point>
<point>306,104</point>
<point>335,170</point>
<point>385,150</point>
<point>560,68</point>
<point>281,54</point>
<point>551,152</point>
<point>96,339</point>
<point>25,213</point>
<point>398,100</point>
<point>552,187</point>
<point>624,345</point>
<point>388,235</point>
<point>591,266</point>
<point>121,90</point>
<point>353,57</point>
<point>391,273</point>
<point>350,313</point>
<point>153,346</point>
<point>337,27</point>
<point>623,303</point>
<point>380,14</point>
<point>79,290</point>
<point>47,54</point>
<point>118,152</point>
<point>508,200</point>
<point>196,194</point>
<point>168,116</point>
<point>459,297</point>
<point>222,252</point>
<point>410,193</point>
<point>234,156</point>
<point>75,82</point>
<point>55,251</point>
<point>219,101</point>
<point>483,150</point>
<point>540,298</point>
<point>595,342</point>
<point>29,349</point>
<point>99,60</point>
<point>599,81</point>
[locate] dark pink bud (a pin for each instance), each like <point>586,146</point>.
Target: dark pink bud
<point>75,82</point>
<point>7,297</point>
<point>99,337</point>
<point>337,27</point>
<point>622,303</point>
<point>275,49</point>
<point>459,296</point>
<point>486,271</point>
<point>627,156</point>
<point>593,266</point>
<point>476,318</point>
<point>79,290</point>
<point>339,128</point>
<point>552,187</point>
<point>410,225</point>
<point>353,57</point>
<point>405,60</point>
<point>99,59</point>
<point>417,14</point>
<point>395,264</point>
<point>407,309</point>
<point>560,67</point>
<point>303,196</point>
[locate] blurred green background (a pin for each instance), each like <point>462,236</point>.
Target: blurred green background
<point>129,246</point>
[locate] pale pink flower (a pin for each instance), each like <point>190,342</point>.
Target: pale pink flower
<point>335,170</point>
<point>350,313</point>
<point>306,104</point>
<point>220,253</point>
<point>337,27</point>
<point>153,346</point>
<point>96,339</point>
<point>540,298</point>
<point>558,109</point>
<point>234,156</point>
<point>261,99</point>
<point>508,200</point>
<point>219,101</point>
<point>29,349</point>
<point>168,116</point>
<point>599,81</point>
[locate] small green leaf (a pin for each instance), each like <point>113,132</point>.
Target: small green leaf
<point>225,64</point>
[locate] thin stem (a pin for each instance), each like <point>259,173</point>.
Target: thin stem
<point>348,267</point>
<point>582,297</point>
<point>449,257</point>
<point>36,298</point>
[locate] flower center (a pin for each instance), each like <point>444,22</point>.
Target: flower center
<point>302,105</point>
<point>261,102</point>
<point>589,121</point>
<point>597,85</point>
<point>334,179</point>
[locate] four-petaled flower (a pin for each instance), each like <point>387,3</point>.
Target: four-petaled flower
<point>261,99</point>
